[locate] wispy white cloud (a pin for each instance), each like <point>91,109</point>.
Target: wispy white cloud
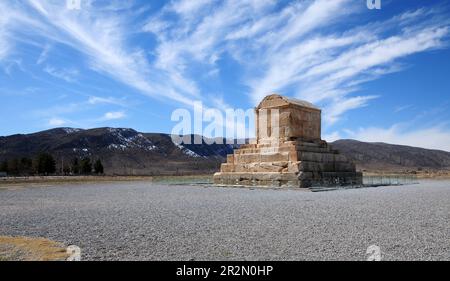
<point>296,49</point>
<point>402,108</point>
<point>367,59</point>
<point>333,113</point>
<point>311,17</point>
<point>59,110</point>
<point>189,8</point>
<point>114,115</point>
<point>333,136</point>
<point>11,65</point>
<point>76,107</point>
<point>4,47</point>
<point>328,69</point>
<point>53,116</point>
<point>56,122</point>
<point>199,40</point>
<point>44,54</point>
<point>4,40</point>
<point>102,36</point>
<point>94,100</point>
<point>67,74</point>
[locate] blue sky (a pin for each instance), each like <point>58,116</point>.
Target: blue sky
<point>379,75</point>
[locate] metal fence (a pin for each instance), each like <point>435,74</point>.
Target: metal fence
<point>385,180</point>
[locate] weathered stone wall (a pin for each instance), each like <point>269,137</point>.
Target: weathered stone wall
<point>277,118</point>
<point>288,151</point>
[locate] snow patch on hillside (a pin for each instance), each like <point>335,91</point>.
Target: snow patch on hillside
<point>71,130</point>
<point>187,151</point>
<point>126,139</point>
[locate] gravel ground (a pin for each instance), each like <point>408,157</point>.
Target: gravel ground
<point>145,221</point>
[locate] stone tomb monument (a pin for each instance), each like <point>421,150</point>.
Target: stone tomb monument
<point>288,151</point>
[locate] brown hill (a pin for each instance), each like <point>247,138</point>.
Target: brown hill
<point>122,151</point>
<point>128,152</point>
<point>389,157</point>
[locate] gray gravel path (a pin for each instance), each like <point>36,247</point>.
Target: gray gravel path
<point>145,221</point>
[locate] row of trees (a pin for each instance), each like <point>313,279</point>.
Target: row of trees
<point>84,166</point>
<point>45,164</point>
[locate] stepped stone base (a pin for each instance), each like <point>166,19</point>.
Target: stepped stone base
<point>296,163</point>
<point>288,151</point>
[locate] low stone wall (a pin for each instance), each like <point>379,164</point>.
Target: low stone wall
<point>289,164</point>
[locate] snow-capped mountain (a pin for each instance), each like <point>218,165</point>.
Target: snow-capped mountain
<point>128,152</point>
<point>123,151</point>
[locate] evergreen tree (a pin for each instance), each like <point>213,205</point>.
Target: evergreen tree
<point>13,167</point>
<point>66,170</point>
<point>75,166</point>
<point>98,167</point>
<point>25,166</point>
<point>86,166</point>
<point>4,166</point>
<point>45,164</point>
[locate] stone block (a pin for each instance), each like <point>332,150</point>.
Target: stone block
<point>248,158</point>
<point>274,157</point>
<point>272,167</point>
<point>295,156</point>
<point>227,168</point>
<point>269,150</point>
<point>293,167</point>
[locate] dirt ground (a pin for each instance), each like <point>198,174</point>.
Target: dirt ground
<point>31,249</point>
<point>20,182</point>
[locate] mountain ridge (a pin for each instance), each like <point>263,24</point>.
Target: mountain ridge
<point>125,151</point>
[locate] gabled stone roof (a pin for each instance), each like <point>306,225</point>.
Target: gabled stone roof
<point>276,100</point>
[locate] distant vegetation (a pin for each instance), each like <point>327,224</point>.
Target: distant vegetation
<point>127,152</point>
<point>44,165</point>
<point>123,152</point>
